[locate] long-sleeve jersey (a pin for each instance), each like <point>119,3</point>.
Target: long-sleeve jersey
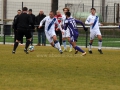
<point>23,21</point>
<point>93,19</point>
<point>71,24</point>
<point>50,23</point>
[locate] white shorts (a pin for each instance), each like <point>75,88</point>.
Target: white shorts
<point>66,34</point>
<point>94,34</point>
<point>49,35</point>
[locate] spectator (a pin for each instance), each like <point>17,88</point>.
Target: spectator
<point>57,31</point>
<point>41,31</point>
<point>15,31</point>
<point>32,28</point>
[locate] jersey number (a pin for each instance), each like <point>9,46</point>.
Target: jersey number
<point>73,24</point>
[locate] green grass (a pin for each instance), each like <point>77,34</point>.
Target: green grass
<point>46,69</point>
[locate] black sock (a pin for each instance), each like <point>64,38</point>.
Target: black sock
<point>15,46</point>
<point>27,44</point>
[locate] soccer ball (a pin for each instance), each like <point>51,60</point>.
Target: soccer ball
<point>31,48</point>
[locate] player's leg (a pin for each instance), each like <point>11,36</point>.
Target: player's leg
<point>19,36</point>
<point>64,41</point>
<point>78,48</point>
<point>70,44</point>
<point>92,36</point>
<point>28,40</point>
<point>68,37</point>
<point>100,43</point>
<point>31,43</point>
<point>57,44</point>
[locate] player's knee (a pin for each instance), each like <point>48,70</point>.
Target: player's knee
<point>100,40</point>
<point>64,40</point>
<point>55,41</point>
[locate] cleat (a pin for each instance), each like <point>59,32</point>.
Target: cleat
<point>76,51</point>
<point>100,51</point>
<point>26,51</point>
<point>90,52</point>
<point>13,52</point>
<point>60,51</point>
<point>70,50</point>
<point>83,54</point>
<point>65,50</point>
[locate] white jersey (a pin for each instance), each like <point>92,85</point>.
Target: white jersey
<point>94,29</point>
<point>67,32</point>
<point>50,24</point>
<point>95,20</point>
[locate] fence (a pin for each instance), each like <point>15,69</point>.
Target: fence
<point>111,37</point>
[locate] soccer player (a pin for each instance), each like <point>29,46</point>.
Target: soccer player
<point>66,34</point>
<point>71,24</point>
<point>58,16</point>
<point>22,26</point>
<point>93,21</point>
<point>50,22</point>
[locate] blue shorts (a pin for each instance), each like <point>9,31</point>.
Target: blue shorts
<point>74,38</point>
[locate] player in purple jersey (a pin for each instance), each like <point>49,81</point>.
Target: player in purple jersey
<point>71,24</point>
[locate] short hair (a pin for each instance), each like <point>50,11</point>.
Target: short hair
<point>30,10</point>
<point>19,10</point>
<point>66,8</point>
<point>68,14</point>
<point>93,9</point>
<point>25,9</point>
<point>52,12</point>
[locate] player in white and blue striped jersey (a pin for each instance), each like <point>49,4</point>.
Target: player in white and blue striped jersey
<point>93,21</point>
<point>50,22</point>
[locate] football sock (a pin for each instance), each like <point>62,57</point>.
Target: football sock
<point>27,44</point>
<point>90,46</point>
<point>15,46</point>
<point>64,44</point>
<point>70,46</point>
<point>57,44</point>
<point>79,49</point>
<point>99,44</point>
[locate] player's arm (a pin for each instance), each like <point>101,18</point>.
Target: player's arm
<point>78,21</point>
<point>59,26</point>
<point>41,23</point>
<point>88,21</point>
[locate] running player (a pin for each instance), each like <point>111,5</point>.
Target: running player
<point>50,22</point>
<point>66,34</point>
<point>93,21</point>
<point>71,24</point>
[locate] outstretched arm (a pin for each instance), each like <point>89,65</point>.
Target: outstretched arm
<point>78,21</point>
<point>41,23</point>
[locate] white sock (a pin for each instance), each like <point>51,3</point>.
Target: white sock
<point>58,46</point>
<point>99,45</point>
<point>70,46</point>
<point>90,47</point>
<point>64,44</point>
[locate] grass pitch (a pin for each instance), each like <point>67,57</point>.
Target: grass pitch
<point>46,69</point>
